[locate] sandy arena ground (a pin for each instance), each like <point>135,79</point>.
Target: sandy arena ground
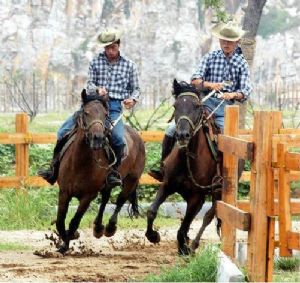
<point>127,256</point>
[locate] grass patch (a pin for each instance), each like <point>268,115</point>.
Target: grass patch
<point>287,269</point>
<point>287,263</point>
<point>201,268</point>
<point>36,209</point>
<point>13,247</point>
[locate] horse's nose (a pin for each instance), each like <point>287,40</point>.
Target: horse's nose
<point>183,135</point>
<point>96,141</point>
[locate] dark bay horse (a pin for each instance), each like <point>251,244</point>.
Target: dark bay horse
<point>190,169</point>
<point>84,167</point>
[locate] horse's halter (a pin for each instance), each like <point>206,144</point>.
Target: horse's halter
<point>86,126</point>
<point>195,126</point>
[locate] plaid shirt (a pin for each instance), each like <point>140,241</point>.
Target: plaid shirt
<point>120,79</point>
<point>216,68</point>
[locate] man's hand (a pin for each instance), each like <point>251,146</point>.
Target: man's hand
<point>101,91</point>
<point>129,103</point>
<point>199,84</point>
<point>232,95</point>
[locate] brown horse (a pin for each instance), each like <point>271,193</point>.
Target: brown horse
<point>190,169</point>
<point>83,170</point>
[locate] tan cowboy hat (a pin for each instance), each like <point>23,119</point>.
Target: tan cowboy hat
<point>228,31</point>
<point>108,37</point>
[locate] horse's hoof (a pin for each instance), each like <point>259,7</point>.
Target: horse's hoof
<point>62,249</point>
<point>98,231</point>
<point>194,246</point>
<point>153,237</point>
<point>184,251</point>
<point>110,230</point>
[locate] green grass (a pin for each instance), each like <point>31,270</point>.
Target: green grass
<point>287,263</point>
<point>13,247</point>
<point>200,268</point>
<point>36,209</point>
<point>284,276</point>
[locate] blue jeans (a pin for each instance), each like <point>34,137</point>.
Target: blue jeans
<point>210,104</point>
<point>115,110</point>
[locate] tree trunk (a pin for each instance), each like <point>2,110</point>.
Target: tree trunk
<point>251,22</point>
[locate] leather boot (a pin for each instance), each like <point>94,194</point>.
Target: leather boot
<point>51,174</point>
<point>113,178</point>
<point>167,146</point>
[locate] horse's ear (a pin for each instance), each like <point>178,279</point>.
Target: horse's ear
<point>176,88</point>
<point>83,94</point>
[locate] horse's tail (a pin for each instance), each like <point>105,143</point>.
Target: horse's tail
<point>133,210</point>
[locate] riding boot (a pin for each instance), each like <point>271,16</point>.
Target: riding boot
<point>113,178</point>
<point>167,146</point>
<point>51,174</point>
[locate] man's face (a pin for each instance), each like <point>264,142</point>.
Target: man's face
<point>112,51</point>
<point>228,46</point>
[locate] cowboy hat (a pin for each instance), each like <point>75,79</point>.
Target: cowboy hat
<point>228,31</point>
<point>108,37</point>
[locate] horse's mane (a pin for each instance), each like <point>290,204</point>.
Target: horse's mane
<point>94,97</point>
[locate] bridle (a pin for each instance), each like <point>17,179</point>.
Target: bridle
<point>195,126</point>
<point>105,145</point>
<point>202,119</point>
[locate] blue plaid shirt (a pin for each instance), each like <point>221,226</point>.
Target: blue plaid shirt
<point>120,78</point>
<point>215,67</point>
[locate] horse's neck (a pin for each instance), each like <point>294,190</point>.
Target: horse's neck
<point>198,142</point>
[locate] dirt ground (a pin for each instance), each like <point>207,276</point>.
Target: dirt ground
<point>127,256</point>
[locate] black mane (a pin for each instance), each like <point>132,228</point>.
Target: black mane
<point>182,86</point>
<point>85,98</point>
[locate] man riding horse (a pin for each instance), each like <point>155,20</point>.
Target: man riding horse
<point>223,70</point>
<point>112,74</point>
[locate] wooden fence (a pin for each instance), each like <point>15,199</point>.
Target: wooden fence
<point>272,168</point>
<point>271,164</point>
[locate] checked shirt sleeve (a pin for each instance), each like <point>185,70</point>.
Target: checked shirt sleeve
<point>245,84</point>
<point>202,68</point>
<point>134,83</point>
<point>92,79</point>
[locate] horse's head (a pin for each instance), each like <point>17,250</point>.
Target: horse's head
<point>93,118</point>
<point>188,111</point>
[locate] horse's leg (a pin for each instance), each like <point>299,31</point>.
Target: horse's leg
<point>70,234</point>
<point>98,226</point>
<point>63,205</point>
<point>208,217</point>
<point>129,184</point>
<point>194,204</point>
<point>163,192</point>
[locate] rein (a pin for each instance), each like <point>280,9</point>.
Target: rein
<point>217,180</point>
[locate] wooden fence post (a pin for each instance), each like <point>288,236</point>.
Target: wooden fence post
<point>229,194</point>
<point>284,202</point>
<point>22,150</point>
<point>259,256</point>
